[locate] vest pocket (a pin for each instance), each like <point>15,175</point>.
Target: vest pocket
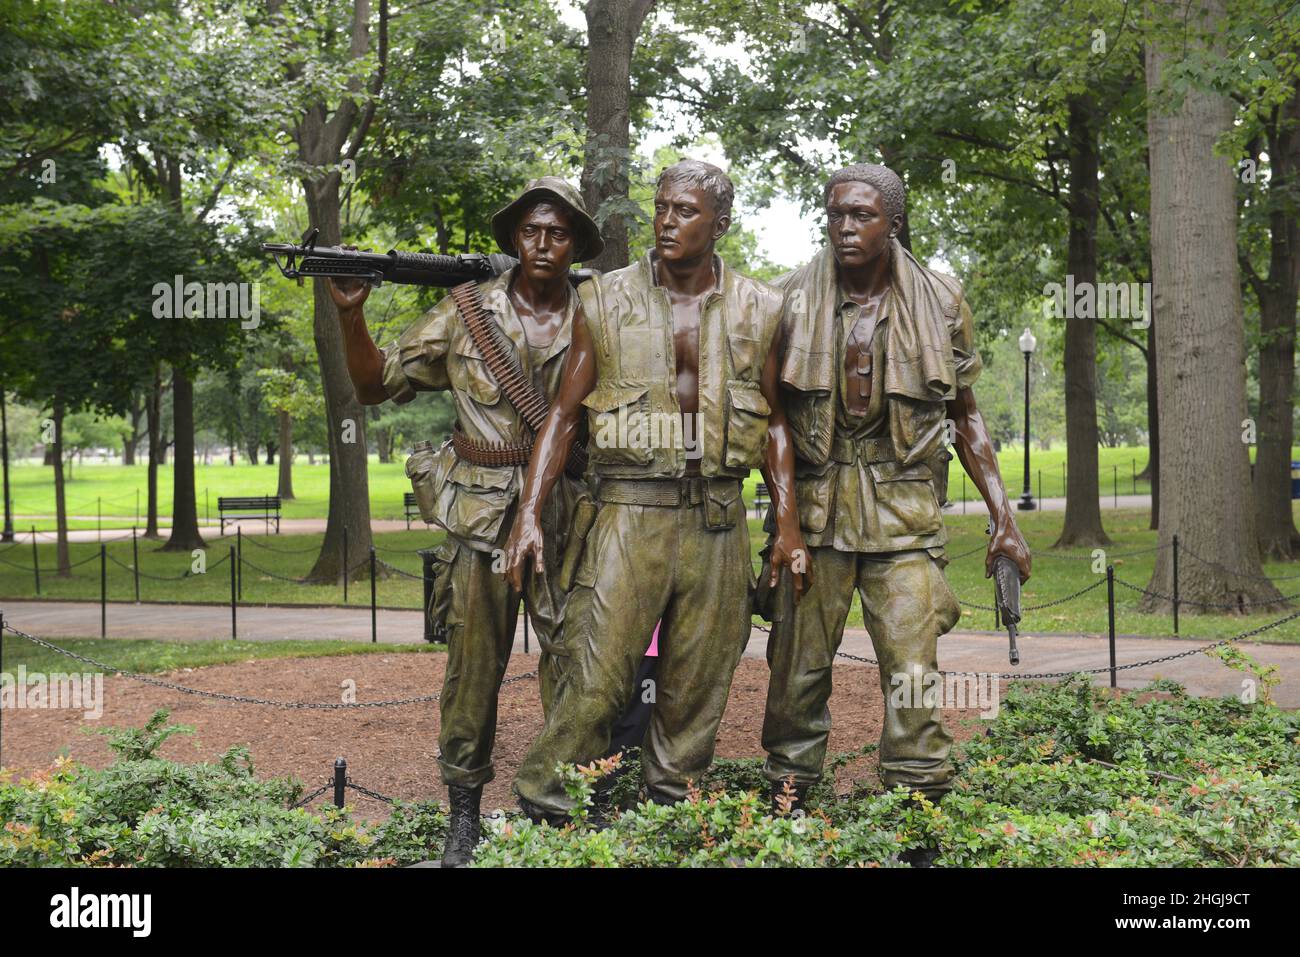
<point>619,425</point>
<point>473,501</point>
<point>427,471</point>
<point>905,496</point>
<point>812,498</point>
<point>747,413</point>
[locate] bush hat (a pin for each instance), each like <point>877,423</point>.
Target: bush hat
<point>588,243</point>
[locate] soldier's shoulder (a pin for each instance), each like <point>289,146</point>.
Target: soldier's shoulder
<point>756,292</point>
<point>949,287</point>
<point>799,278</point>
<point>615,280</point>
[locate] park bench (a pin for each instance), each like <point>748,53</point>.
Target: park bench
<point>761,499</point>
<point>412,508</point>
<point>231,508</point>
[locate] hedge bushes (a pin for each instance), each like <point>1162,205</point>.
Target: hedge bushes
<point>1066,775</point>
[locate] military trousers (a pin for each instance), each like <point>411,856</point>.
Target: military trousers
<point>907,605</point>
<point>643,563</point>
<point>480,611</point>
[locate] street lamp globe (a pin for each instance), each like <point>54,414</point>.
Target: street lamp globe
<point>1027,342</point>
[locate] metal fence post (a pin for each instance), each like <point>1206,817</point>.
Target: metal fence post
<point>340,781</point>
<point>239,562</point>
<point>345,564</point>
<point>525,624</point>
<point>103,591</point>
<point>1175,583</point>
<point>135,563</point>
<point>234,628</point>
<point>36,563</point>
<point>1110,617</point>
<point>374,626</point>
<point>1114,483</point>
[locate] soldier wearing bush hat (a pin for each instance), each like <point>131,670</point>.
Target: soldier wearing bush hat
<point>469,486</point>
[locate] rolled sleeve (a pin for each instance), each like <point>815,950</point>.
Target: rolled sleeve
<point>966,358</point>
<point>417,361</point>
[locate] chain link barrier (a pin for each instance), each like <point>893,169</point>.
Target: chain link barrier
<point>243,699</point>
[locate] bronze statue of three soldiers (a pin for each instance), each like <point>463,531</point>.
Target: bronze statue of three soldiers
<point>842,382</point>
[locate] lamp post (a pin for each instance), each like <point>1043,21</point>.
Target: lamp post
<point>8,534</point>
<point>1027,344</point>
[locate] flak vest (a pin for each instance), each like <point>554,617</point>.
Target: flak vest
<point>635,422</point>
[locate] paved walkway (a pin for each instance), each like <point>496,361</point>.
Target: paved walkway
<point>958,651</point>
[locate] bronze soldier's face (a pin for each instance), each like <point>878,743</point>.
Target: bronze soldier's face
<point>687,223</point>
<point>856,225</point>
<point>545,242</point>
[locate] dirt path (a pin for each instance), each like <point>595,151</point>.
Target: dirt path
<point>390,750</point>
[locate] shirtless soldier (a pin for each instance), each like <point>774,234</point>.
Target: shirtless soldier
<point>470,485</point>
<point>676,337</point>
<point>879,352</point>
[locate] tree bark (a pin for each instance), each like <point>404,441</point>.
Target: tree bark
<point>1277,325</point>
<point>1082,525</point>
<point>612,28</point>
<point>321,135</point>
<point>185,514</point>
<point>1152,472</point>
<point>1200,341</point>
<point>153,410</point>
<point>349,504</point>
<point>60,495</point>
<point>285,489</point>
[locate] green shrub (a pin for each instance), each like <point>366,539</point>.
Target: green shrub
<point>1066,775</point>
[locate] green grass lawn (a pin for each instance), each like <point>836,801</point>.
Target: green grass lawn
<point>113,488</point>
<point>1055,576</point>
<point>110,490</point>
<point>153,656</point>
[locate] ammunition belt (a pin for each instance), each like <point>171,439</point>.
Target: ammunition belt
<point>493,454</point>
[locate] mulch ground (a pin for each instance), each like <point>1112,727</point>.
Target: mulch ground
<point>391,750</point>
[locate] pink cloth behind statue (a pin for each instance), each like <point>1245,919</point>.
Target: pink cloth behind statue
<point>653,650</point>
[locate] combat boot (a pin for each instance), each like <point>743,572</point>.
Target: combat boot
<point>539,815</point>
<point>463,827</point>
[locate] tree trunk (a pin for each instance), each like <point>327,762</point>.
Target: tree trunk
<point>270,453</point>
<point>383,441</point>
<point>1152,472</point>
<point>1277,325</point>
<point>153,410</point>
<point>349,503</point>
<point>1200,341</point>
<point>612,28</point>
<point>252,453</point>
<point>285,490</point>
<point>185,517</point>
<point>60,495</point>
<point>1082,525</point>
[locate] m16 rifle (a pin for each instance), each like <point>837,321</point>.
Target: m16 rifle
<point>306,260</point>
<point>1006,597</point>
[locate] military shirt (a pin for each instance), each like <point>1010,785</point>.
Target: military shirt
<point>862,500</point>
<point>437,352</point>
